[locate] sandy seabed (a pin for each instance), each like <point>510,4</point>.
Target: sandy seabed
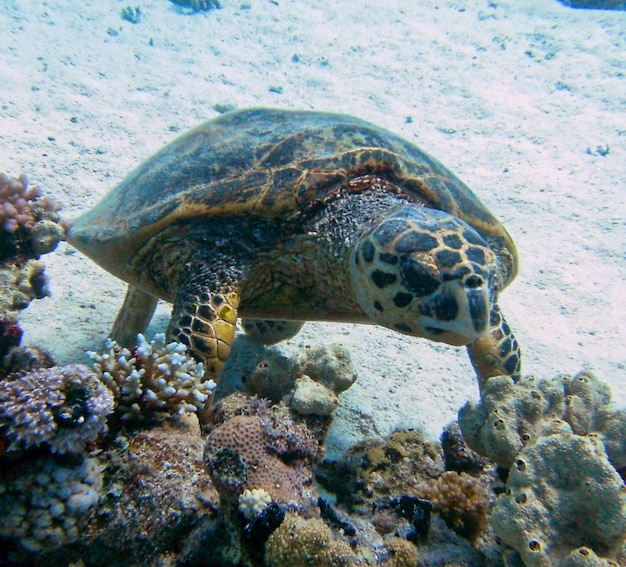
<point>524,100</point>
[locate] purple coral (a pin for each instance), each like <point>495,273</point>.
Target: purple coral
<point>29,221</point>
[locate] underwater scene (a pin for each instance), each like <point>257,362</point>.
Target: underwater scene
<point>301,284</point>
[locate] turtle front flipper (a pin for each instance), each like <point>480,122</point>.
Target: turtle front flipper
<point>269,332</point>
<point>204,321</point>
<point>134,316</point>
<point>497,353</point>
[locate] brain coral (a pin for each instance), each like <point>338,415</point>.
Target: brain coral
<point>562,493</point>
<point>47,500</point>
<point>62,408</point>
<point>257,452</point>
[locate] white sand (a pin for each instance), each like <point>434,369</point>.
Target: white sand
<point>508,94</point>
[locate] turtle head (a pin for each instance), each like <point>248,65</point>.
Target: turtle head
<point>425,273</point>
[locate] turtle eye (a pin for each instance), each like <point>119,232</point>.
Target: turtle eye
<point>419,278</point>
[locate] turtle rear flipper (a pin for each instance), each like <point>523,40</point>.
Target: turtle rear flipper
<point>133,317</point>
<point>269,332</point>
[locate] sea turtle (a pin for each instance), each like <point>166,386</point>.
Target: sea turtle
<point>284,216</point>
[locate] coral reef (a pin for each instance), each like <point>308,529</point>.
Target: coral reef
<point>269,450</point>
<point>46,500</point>
<point>457,455</point>
<point>310,383</point>
<point>562,493</point>
<point>512,415</point>
<point>29,227</point>
<point>21,283</point>
<point>273,378</point>
<point>29,221</point>
<point>461,500</point>
<point>153,380</point>
<point>61,408</point>
<point>397,482</point>
<point>301,542</point>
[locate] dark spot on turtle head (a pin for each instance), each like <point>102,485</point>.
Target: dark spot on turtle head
<point>367,251</point>
<point>446,307</point>
<point>448,258</point>
<point>388,258</point>
<point>473,282</point>
<point>402,299</point>
<point>417,278</point>
<point>512,364</point>
<point>204,298</point>
<point>383,279</point>
<point>378,306</point>
<point>476,254</point>
<point>389,230</point>
<point>413,241</point>
<point>185,321</point>
<point>452,241</point>
<point>403,328</point>
<point>218,300</point>
<point>456,274</point>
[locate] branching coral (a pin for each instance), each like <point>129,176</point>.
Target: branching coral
<point>153,380</point>
<point>29,226</point>
<point>61,408</point>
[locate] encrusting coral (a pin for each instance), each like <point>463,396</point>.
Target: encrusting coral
<point>60,408</point>
<point>301,542</point>
<point>562,493</point>
<point>309,383</point>
<point>511,415</point>
<point>267,450</point>
<point>153,380</point>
